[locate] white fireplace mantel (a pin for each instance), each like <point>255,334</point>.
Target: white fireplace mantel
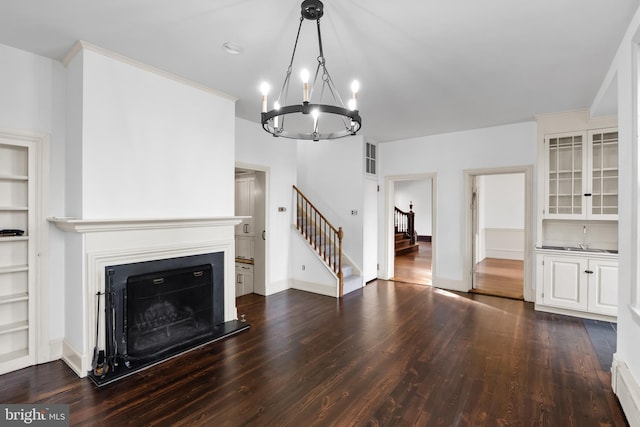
<point>80,225</point>
<point>93,244</point>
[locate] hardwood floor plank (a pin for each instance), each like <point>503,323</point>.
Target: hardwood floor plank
<point>390,354</point>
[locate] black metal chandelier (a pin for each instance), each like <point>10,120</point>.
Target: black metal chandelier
<point>319,120</point>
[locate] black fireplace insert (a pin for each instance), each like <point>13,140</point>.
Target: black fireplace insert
<point>157,309</point>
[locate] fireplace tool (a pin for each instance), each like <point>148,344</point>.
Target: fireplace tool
<point>98,364</point>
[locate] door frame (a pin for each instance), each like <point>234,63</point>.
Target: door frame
<point>267,221</point>
<point>389,238</point>
<point>469,176</point>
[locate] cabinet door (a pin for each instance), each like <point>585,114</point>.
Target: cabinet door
<point>565,283</point>
<point>565,180</point>
<point>244,205</point>
<point>603,287</point>
<point>603,171</point>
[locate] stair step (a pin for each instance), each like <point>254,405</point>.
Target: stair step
<point>347,271</point>
<point>411,248</point>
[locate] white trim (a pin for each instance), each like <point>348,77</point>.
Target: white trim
<point>315,288</point>
<point>527,170</point>
<point>38,146</point>
<point>78,225</point>
<point>449,284</point>
<point>267,219</point>
<point>82,45</point>
<point>627,389</point>
<point>581,314</point>
<point>73,358</point>
<point>387,268</point>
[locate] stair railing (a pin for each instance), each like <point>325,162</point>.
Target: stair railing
<point>323,237</point>
<point>404,222</point>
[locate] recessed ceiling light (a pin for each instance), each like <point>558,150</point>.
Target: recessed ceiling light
<point>232,48</point>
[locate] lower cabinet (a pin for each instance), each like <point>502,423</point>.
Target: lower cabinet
<point>579,283</point>
<point>244,279</point>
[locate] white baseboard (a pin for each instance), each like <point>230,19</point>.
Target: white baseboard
<point>73,358</point>
<point>315,288</point>
<point>627,389</point>
<point>504,254</point>
<point>450,284</point>
<point>55,349</point>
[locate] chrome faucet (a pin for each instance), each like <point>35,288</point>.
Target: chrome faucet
<point>584,245</point>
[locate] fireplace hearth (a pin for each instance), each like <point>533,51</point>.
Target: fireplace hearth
<point>155,310</point>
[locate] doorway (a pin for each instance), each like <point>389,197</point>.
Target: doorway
<point>413,255</point>
<point>498,232</point>
<point>250,236</point>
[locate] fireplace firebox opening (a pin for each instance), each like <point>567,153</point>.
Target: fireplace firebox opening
<point>155,310</point>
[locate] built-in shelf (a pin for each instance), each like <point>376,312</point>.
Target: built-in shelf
<point>14,208</point>
<point>4,177</point>
<point>8,357</point>
<point>14,269</point>
<point>14,327</point>
<point>7,299</point>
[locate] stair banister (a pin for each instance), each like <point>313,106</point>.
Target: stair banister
<point>404,222</point>
<point>321,235</point>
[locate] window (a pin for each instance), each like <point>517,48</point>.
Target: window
<point>370,158</point>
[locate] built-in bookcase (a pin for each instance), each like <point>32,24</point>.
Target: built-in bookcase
<point>17,196</point>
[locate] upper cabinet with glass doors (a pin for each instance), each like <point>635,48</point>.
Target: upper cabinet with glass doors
<point>582,175</point>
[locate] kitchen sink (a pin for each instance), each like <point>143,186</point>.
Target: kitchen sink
<point>578,249</point>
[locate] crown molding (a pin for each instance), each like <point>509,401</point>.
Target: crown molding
<point>82,45</point>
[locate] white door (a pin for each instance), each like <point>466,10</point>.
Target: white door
<point>370,224</point>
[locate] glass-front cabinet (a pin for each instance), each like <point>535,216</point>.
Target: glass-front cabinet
<point>582,175</point>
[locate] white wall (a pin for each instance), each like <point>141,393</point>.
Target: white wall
<point>503,201</point>
<point>331,175</point>
<point>32,100</point>
<point>449,155</point>
<point>626,361</point>
<point>418,192</point>
<point>152,146</point>
<point>254,147</point>
<point>501,216</point>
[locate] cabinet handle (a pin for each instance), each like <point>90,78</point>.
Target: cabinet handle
<point>263,234</point>
<point>588,194</point>
<point>588,271</point>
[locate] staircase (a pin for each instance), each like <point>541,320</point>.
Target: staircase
<point>326,241</point>
<point>403,223</point>
<point>403,244</point>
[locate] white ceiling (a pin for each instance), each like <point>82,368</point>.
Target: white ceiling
<point>425,66</point>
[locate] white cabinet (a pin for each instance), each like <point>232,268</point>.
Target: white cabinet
<point>244,279</point>
<point>582,175</point>
<point>17,200</point>
<point>578,283</point>
<point>244,194</point>
<point>603,287</point>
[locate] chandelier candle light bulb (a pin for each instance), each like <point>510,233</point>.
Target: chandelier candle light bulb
<point>264,89</point>
<point>355,87</point>
<point>304,75</point>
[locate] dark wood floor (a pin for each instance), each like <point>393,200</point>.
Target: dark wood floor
<point>389,354</point>
<point>414,267</point>
<point>500,277</point>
